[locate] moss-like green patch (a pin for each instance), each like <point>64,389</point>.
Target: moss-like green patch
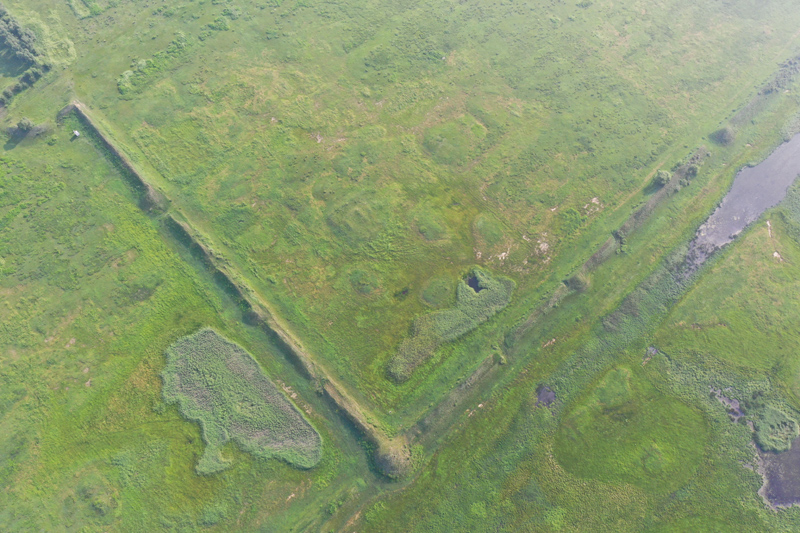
<point>624,430</point>
<point>439,292</point>
<point>487,230</point>
<point>218,384</point>
<point>430,226</point>
<point>455,142</point>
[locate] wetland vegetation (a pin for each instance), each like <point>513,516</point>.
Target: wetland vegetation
<point>216,383</point>
<point>418,266</point>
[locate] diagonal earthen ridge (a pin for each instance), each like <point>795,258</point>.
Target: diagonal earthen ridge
<point>392,456</point>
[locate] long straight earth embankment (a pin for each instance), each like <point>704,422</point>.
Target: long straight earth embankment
<point>392,455</point>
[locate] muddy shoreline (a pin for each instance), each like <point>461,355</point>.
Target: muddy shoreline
<point>754,190</point>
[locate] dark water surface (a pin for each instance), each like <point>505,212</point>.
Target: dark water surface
<point>755,189</point>
<point>545,396</point>
<point>781,472</point>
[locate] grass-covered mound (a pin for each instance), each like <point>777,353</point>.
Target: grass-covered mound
<point>626,431</point>
<point>439,292</point>
<point>218,384</point>
<point>775,430</point>
<point>478,297</point>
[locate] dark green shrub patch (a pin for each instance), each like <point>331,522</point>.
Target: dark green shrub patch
<point>478,297</point>
<point>218,384</point>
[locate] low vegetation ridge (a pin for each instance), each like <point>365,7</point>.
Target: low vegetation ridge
<point>477,299</point>
<point>665,185</point>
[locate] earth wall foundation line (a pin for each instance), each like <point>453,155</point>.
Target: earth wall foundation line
<point>391,456</point>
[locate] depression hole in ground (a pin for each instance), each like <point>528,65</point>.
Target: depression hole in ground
<point>472,281</point>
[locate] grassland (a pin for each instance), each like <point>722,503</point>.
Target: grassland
<point>383,169</point>
<point>347,165</point>
<point>93,295</point>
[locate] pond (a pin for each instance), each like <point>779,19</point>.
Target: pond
<point>781,473</point>
<point>545,396</point>
<point>755,189</point>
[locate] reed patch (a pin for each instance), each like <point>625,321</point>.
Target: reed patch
<point>216,383</point>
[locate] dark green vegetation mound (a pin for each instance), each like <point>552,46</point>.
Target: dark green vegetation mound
<point>624,430</point>
<point>478,298</point>
<point>775,430</point>
<point>364,282</point>
<point>216,383</point>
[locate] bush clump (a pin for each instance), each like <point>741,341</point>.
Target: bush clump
<point>218,384</point>
<point>775,430</point>
<point>25,125</point>
<point>661,178</point>
<point>724,136</point>
<point>476,301</point>
<point>579,282</point>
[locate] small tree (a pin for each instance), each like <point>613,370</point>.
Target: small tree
<point>661,178</point>
<point>25,125</point>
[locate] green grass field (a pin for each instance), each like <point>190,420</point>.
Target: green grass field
<point>413,191</point>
